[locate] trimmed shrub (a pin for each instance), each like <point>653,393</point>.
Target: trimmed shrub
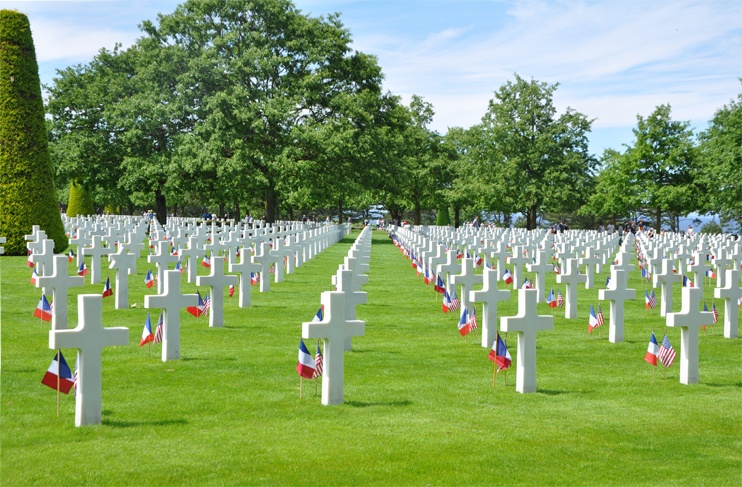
<point>27,195</point>
<point>443,217</point>
<point>81,201</point>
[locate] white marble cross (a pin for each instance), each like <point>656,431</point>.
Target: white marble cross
<point>81,241</point>
<point>44,257</point>
<point>171,301</point>
<point>60,282</point>
<point>589,261</point>
<point>720,264</point>
<point>89,338</point>
<point>123,262</point>
<point>353,298</point>
<point>216,281</point>
<point>541,267</point>
<point>162,259</point>
<point>95,251</point>
<point>277,254</point>
<point>617,294</point>
<point>527,323</point>
<point>333,329</point>
<point>450,268</point>
<point>689,319</point>
<point>699,268</point>
<point>264,259</point>
<point>134,247</point>
<point>731,294</point>
<point>624,259</point>
<point>499,257</point>
<point>666,277</point>
<point>467,279</point>
<point>516,260</point>
<point>571,279</point>
<point>192,253</point>
<point>489,296</point>
<point>244,268</point>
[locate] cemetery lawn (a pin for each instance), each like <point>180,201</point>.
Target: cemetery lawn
<point>419,404</point>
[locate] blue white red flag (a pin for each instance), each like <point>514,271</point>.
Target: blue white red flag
<point>551,300</point>
<point>34,276</point>
<point>199,309</point>
<point>653,351</point>
<point>160,329</point>
<point>318,317</point>
<point>83,269</point>
<point>446,301</point>
<point>306,367</point>
<point>318,362</point>
<point>507,277</point>
<point>59,374</point>
<point>687,282</point>
<point>206,262</point>
<point>70,257</point>
<point>439,286</point>
<point>149,279</point>
<point>500,354</point>
<point>464,323</point>
<point>107,291</point>
<point>147,335</point>
<point>43,310</point>
<point>667,353</point>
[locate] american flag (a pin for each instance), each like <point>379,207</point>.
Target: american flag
<point>667,353</point>
<point>455,304</point>
<point>207,304</point>
<point>74,382</point>
<point>601,321</point>
<point>716,313</point>
<point>317,362</point>
<point>473,318</point>
<point>652,300</point>
<point>158,330</point>
<point>272,269</point>
<point>560,299</point>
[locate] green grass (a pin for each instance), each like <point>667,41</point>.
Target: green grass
<point>419,409</point>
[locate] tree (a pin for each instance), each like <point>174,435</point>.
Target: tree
<point>27,195</point>
<point>721,162</point>
<point>81,202</point>
<point>540,161</point>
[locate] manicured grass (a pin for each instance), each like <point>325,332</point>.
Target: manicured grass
<point>420,408</point>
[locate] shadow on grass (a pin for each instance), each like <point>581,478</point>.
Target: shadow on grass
<point>739,384</point>
<point>549,392</point>
<point>130,424</point>
<point>363,404</point>
<point>386,241</point>
<point>215,359</point>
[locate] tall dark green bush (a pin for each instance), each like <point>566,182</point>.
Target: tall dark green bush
<point>81,201</point>
<point>443,217</point>
<point>27,195</point>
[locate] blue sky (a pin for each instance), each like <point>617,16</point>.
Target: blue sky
<point>613,59</point>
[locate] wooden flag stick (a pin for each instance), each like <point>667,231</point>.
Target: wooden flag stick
<point>506,370</point>
<point>301,386</point>
<point>150,348</point>
<point>59,371</point>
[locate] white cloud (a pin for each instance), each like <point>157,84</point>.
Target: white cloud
<point>60,40</point>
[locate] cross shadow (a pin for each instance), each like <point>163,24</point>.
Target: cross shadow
<point>363,404</point>
<point>549,392</point>
<point>130,424</point>
<point>739,384</point>
<point>215,359</point>
<point>386,241</point>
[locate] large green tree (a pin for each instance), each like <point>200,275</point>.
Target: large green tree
<point>536,158</point>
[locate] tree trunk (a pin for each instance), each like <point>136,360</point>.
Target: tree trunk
<point>531,224</point>
<point>456,214</point>
<point>417,213</point>
<point>221,210</point>
<point>175,209</point>
<point>160,207</point>
<point>270,204</point>
<point>236,209</point>
<point>659,220</point>
<point>291,214</point>
<point>131,208</point>
<point>340,211</point>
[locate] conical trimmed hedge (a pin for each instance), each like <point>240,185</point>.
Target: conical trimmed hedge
<point>27,195</point>
<point>443,217</point>
<point>81,201</point>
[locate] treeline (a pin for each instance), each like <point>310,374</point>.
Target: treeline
<point>251,106</point>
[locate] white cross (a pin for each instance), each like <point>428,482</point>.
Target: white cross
<point>171,301</point>
<point>359,280</point>
<point>192,253</point>
<point>451,267</point>
<point>216,281</point>
<point>244,268</point>
<point>489,296</point>
<point>333,329</point>
<point>122,261</point>
<point>162,259</point>
<point>572,279</point>
<point>720,263</point>
<point>467,279</point>
<point>81,241</point>
<point>699,268</point>
<point>60,282</point>
<point>666,277</point>
<point>95,251</point>
<point>278,253</point>
<point>215,246</point>
<point>617,294</point>
<point>589,261</point>
<point>264,259</point>
<point>731,294</point>
<point>527,323</point>
<point>2,241</point>
<point>624,259</point>
<point>500,254</point>
<point>45,256</point>
<point>689,319</point>
<point>134,247</point>
<point>517,259</point>
<point>438,258</point>
<point>541,267</point>
<point>353,298</point>
<point>89,338</point>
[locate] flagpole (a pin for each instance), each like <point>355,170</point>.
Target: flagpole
<point>301,385</point>
<point>59,371</point>
<point>506,370</point>
<point>150,348</point>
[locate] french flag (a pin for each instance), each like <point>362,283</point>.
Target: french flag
<point>206,262</point>
<point>653,351</point>
<point>34,276</point>
<point>464,323</point>
<point>107,291</point>
<point>43,310</point>
<point>507,277</point>
<point>687,282</point>
<point>147,335</point>
<point>306,366</point>
<point>64,379</point>
<point>29,262</point>
<point>593,323</point>
<point>254,278</point>
<point>500,354</point>
<point>179,267</point>
<point>318,317</point>
<point>231,290</point>
<point>72,255</point>
<point>149,280</point>
<point>197,310</point>
<point>83,269</point>
<point>446,301</point>
<point>551,300</point>
<point>439,287</point>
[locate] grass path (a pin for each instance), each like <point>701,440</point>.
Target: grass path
<point>420,408</point>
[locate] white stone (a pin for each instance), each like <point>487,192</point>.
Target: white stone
<point>730,293</point>
<point>123,262</point>
<point>541,267</point>
<point>264,259</point>
<point>467,279</point>
<point>527,323</point>
<point>617,294</point>
<point>171,301</point>
<point>163,260</point>
<point>689,319</point>
<point>245,267</point>
<point>216,281</point>
<point>192,255</point>
<point>666,277</point>
<point>489,296</point>
<point>60,282</point>
<point>44,257</point>
<point>333,329</point>
<point>89,338</point>
<point>589,261</point>
<point>95,251</point>
<point>352,299</point>
<point>516,260</point>
<point>571,278</point>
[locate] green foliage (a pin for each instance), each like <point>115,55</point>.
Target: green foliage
<point>443,217</point>
<point>27,195</point>
<point>81,201</point>
<point>711,227</point>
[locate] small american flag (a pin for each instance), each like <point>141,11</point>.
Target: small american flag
<point>74,383</point>
<point>652,300</point>
<point>207,304</point>
<point>601,321</point>
<point>560,299</point>
<point>317,362</point>
<point>158,330</point>
<point>716,313</point>
<point>272,269</point>
<point>473,318</point>
<point>455,304</point>
<point>667,353</point>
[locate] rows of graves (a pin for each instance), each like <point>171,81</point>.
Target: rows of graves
<point>449,257</point>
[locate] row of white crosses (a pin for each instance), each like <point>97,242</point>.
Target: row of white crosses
<point>339,323</point>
